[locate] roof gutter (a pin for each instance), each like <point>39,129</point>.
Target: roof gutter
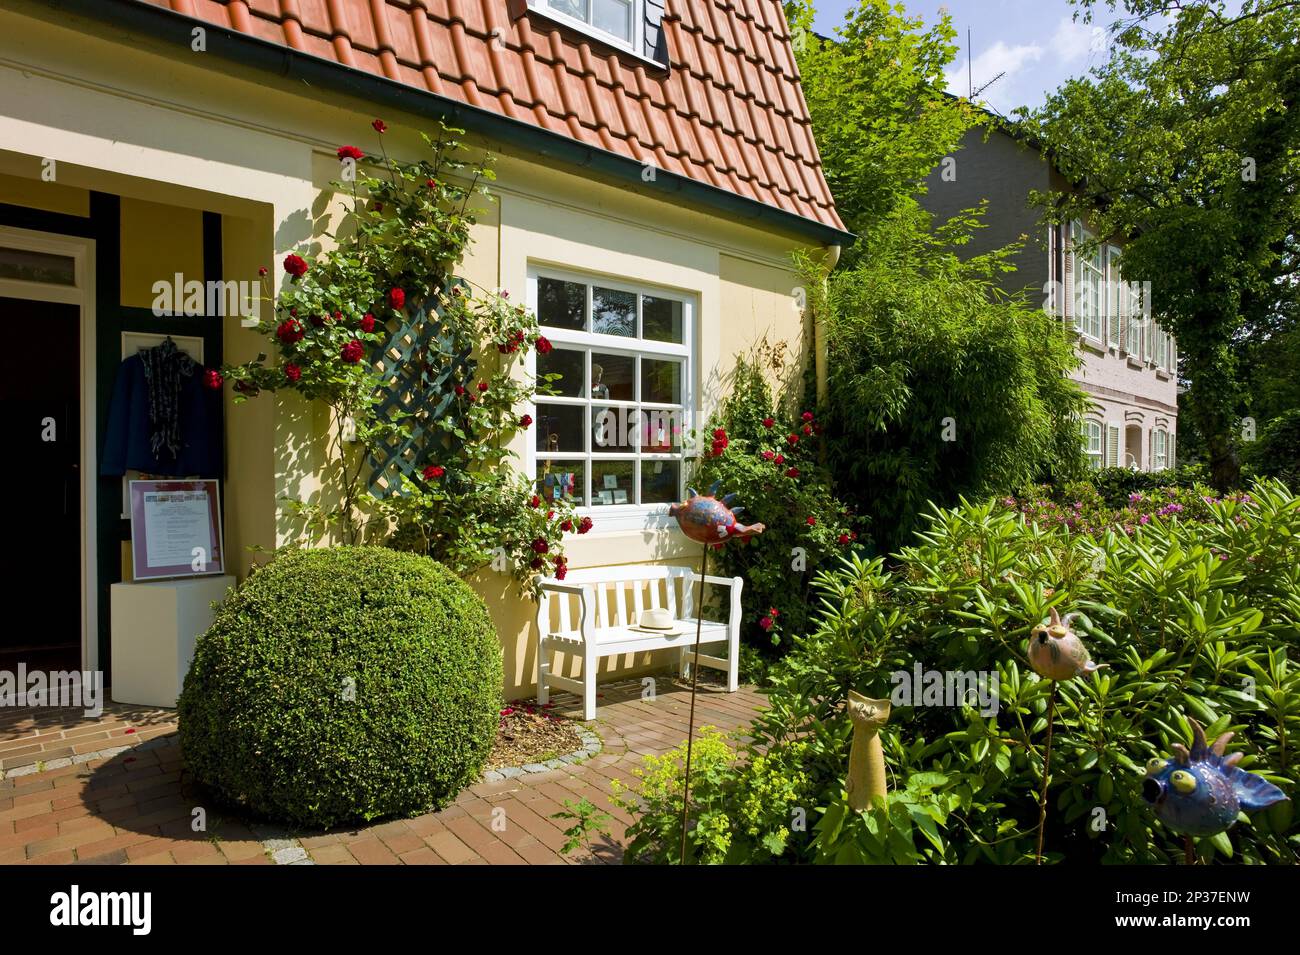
<point>326,75</point>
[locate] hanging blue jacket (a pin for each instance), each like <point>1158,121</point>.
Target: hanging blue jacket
<point>127,442</point>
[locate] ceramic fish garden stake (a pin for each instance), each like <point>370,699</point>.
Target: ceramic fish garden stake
<point>706,520</point>
<point>1199,792</point>
<point>712,522</point>
<point>1057,653</point>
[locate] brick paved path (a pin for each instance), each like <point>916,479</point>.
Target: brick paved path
<point>109,791</point>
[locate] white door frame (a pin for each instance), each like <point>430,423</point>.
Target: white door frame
<point>81,294</point>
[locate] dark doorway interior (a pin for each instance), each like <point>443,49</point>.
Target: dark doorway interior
<point>40,483</point>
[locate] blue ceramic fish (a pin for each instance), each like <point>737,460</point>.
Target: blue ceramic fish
<point>1199,793</point>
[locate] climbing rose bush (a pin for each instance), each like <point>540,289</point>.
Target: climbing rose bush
<point>341,332</point>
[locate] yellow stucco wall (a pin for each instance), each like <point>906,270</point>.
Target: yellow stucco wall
<point>173,138</point>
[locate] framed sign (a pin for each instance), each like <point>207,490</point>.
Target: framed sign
<point>176,529</point>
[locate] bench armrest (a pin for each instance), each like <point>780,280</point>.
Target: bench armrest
<point>555,587</point>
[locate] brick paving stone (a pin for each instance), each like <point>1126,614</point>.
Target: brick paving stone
<point>128,806</point>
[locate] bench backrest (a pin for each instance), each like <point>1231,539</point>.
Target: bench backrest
<point>621,593</point>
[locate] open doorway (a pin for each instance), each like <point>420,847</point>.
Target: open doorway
<point>46,399</point>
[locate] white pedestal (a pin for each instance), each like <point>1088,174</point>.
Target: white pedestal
<point>155,625</point>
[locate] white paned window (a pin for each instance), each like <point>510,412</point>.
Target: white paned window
<point>1159,449</point>
<point>621,368</point>
<point>1089,303</point>
<point>1092,445</point>
<point>1136,317</point>
<point>1114,295</point>
<point>618,21</point>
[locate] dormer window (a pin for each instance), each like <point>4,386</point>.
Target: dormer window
<point>615,21</point>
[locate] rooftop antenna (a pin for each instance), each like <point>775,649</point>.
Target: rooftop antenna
<point>970,60</point>
<point>988,84</point>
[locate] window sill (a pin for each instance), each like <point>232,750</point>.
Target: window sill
<point>618,518</point>
<point>1092,344</point>
<point>1162,374</point>
<point>1136,363</point>
<point>584,30</point>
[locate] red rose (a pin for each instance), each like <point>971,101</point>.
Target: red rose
<point>720,433</point>
<point>460,389</point>
<point>584,525</point>
<point>807,416</point>
<point>482,386</point>
<point>773,612</point>
<point>793,439</point>
<point>792,472</point>
<point>212,379</point>
<point>844,539</point>
<point>351,152</point>
<point>768,422</point>
<point>534,501</point>
<point>766,623</point>
<point>472,398</point>
<point>807,430</point>
<point>768,455</point>
<point>380,126</point>
<point>811,522</point>
<point>550,514</point>
<point>295,265</point>
<point>431,183</point>
<point>293,372</point>
<point>525,421</point>
<point>367,322</point>
<point>396,299</point>
<point>566,526</point>
<point>779,460</point>
<point>338,316</point>
<point>535,563</point>
<point>543,345</point>
<point>540,546</point>
<point>262,271</point>
<point>353,351</point>
<point>290,331</point>
<point>561,571</point>
<point>434,471</point>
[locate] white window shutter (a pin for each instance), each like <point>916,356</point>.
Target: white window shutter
<point>1169,450</point>
<point>1112,445</point>
<point>1151,450</point>
<point>1067,281</point>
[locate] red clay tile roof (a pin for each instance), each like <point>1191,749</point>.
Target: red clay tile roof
<point>728,113</point>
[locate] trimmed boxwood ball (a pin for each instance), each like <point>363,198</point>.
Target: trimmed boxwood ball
<point>343,685</point>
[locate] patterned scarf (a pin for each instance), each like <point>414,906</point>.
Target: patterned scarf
<point>165,369</point>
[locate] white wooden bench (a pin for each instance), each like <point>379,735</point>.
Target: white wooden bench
<point>589,615</point>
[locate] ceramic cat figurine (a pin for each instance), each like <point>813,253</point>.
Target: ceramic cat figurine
<point>1057,653</point>
<point>706,520</point>
<point>866,780</point>
<point>1200,791</point>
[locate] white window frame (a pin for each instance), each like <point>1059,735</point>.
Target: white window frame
<point>1089,286</point>
<point>634,44</point>
<point>1159,449</point>
<point>1096,459</point>
<point>619,516</point>
<point>1136,316</point>
<point>1113,318</point>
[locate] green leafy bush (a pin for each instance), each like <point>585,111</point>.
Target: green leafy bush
<point>939,385</point>
<point>343,685</point>
<point>1115,486</point>
<point>1276,453</point>
<point>769,458</point>
<point>1080,506</point>
<point>1195,619</point>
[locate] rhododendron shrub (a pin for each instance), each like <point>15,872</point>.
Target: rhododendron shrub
<point>383,310</point>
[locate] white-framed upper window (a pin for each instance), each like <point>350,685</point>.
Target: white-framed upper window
<point>1092,445</point>
<point>1089,305</point>
<point>1116,296</point>
<point>620,22</point>
<point>613,435</point>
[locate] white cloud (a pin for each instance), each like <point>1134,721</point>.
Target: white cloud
<point>999,58</point>
<point>1075,41</point>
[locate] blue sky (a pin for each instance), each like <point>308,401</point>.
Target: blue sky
<point>1036,43</point>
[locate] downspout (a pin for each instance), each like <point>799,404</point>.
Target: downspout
<point>820,350</point>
